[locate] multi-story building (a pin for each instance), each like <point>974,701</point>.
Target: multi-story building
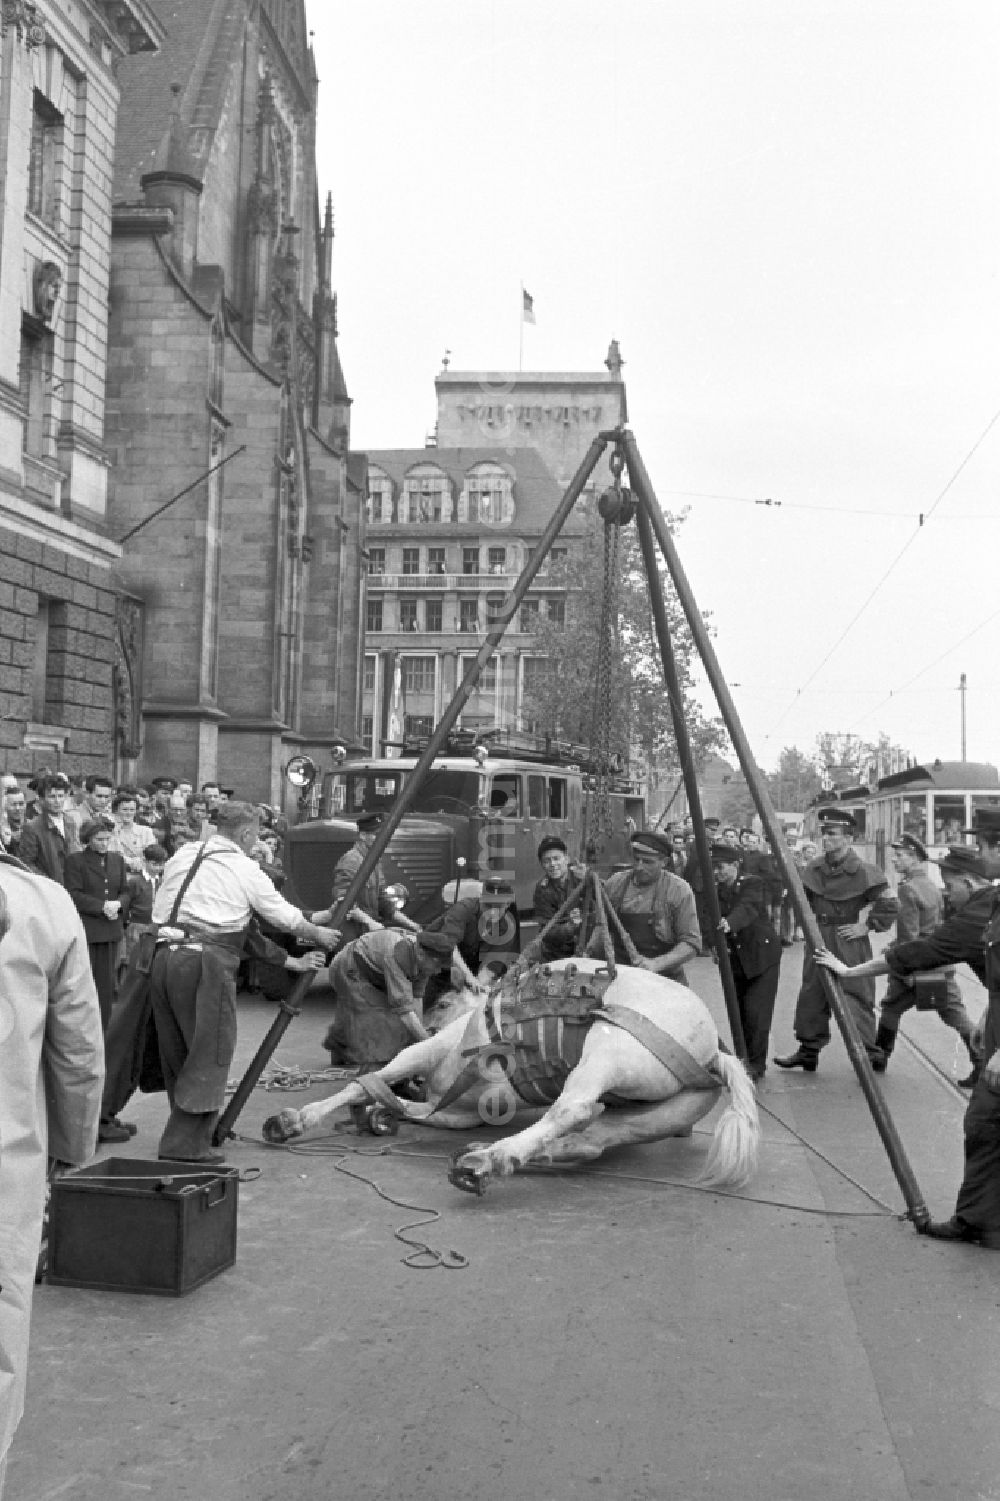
<point>226,391</point>
<point>61,627</point>
<point>450,528</point>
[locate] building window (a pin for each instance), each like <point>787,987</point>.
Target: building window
<point>419,674</point>
<point>43,161</point>
<point>558,555</point>
<point>376,560</point>
<point>368,681</point>
<point>436,560</point>
<point>433,611</point>
<point>487,678</point>
<point>41,664</point>
<point>497,557</point>
<point>407,614</point>
<point>427,494</point>
<point>35,382</point>
<point>490,495</point>
<point>468,615</point>
<point>529,615</point>
<point>368,732</point>
<point>373,615</point>
<point>411,560</point>
<point>470,560</point>
<point>379,496</point>
<point>494,608</point>
<point>535,670</point>
<point>557,611</point>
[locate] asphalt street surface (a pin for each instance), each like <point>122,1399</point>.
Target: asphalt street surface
<point>615,1333</point>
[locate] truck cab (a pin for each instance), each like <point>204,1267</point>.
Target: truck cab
<point>476,815</point>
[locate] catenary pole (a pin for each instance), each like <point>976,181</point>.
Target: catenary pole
<point>408,793</point>
<point>884,1123</point>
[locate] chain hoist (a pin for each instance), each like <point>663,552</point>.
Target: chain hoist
<point>617,509</point>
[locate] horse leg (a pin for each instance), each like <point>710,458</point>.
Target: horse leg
<point>577,1106</point>
<point>420,1058</point>
<point>632,1126</point>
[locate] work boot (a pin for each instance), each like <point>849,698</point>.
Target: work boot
<point>971,1079</point>
<point>957,1229</point>
<point>113,1130</point>
<point>803,1057</point>
<point>885,1041</point>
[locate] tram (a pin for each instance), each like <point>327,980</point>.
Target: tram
<point>936,802</point>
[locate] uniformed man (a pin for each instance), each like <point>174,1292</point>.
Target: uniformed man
<point>754,951</point>
<point>374,901</point>
<point>551,892</point>
<point>986,832</point>
<point>921,909</point>
<point>970,935</point>
<point>850,900</point>
<point>378,981</point>
<point>656,909</point>
<point>201,911</point>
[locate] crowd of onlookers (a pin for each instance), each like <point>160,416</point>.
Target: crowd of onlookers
<point>756,858</point>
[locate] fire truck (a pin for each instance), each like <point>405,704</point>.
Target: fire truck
<point>483,807</point>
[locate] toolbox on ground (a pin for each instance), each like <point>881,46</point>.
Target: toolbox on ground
<point>131,1225</point>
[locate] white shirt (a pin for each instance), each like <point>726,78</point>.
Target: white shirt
<point>227,887</point>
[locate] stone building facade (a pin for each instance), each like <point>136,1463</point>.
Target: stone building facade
<point>61,623</point>
<point>225,389</point>
<point>450,528</point>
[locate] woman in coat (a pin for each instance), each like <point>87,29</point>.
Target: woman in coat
<point>97,880</point>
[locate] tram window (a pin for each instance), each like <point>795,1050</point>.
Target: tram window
<point>537,805</point>
<point>949,820</point>
<point>505,796</point>
<point>915,817</point>
<point>558,798</point>
<point>984,800</point>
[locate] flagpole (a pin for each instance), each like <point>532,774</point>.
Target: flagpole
<point>520,346</point>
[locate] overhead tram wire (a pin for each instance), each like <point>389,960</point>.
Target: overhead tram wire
<point>895,692</point>
<point>924,517</point>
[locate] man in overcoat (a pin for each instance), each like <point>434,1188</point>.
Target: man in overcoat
<point>51,1072</point>
<point>851,899</point>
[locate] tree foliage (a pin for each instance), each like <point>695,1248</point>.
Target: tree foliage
<point>561,700</point>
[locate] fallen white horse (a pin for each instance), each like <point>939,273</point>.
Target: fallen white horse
<point>628,1060</point>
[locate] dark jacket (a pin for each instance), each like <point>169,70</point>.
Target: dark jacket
<point>43,848</point>
<point>92,880</point>
<point>752,939</point>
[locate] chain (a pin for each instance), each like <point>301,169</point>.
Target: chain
<point>607,660</point>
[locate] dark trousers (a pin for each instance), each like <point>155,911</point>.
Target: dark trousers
<point>812,1009</point>
<point>103,969</point>
<point>194,1005</point>
<point>755,998</point>
<point>979,1196</point>
<point>900,998</point>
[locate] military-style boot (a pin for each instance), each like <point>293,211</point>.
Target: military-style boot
<point>885,1041</point>
<point>976,1059</point>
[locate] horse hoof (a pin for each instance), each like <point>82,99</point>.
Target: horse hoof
<point>469,1179</point>
<point>282,1127</point>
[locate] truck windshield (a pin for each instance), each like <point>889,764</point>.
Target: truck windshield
<point>442,791</point>
<point>448,792</point>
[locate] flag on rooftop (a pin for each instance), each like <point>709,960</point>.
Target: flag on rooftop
<point>527,307</point>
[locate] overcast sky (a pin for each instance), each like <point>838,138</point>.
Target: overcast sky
<point>787,213</point>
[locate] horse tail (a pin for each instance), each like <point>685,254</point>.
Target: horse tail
<point>732,1156</point>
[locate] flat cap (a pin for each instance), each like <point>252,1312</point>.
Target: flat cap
<point>435,943</point>
<point>164,784</point>
<point>837,818</point>
<point>964,860</point>
<point>648,839</point>
<point>368,822</point>
<point>725,854</point>
<point>912,843</point>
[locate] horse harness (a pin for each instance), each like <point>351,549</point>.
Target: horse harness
<point>537,1021</point>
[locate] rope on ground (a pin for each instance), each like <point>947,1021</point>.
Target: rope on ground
<point>829,1161</point>
<point>423,1257</point>
<point>288,1077</point>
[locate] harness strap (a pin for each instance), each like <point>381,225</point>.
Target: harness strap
<point>376,1089</point>
<point>672,1054</point>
